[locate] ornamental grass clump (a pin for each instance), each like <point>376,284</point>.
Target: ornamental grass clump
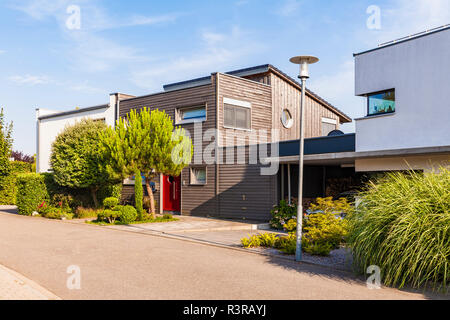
<point>402,225</point>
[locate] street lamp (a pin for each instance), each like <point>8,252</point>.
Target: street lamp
<point>303,61</point>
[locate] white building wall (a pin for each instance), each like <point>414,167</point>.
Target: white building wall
<point>419,70</point>
<point>48,130</point>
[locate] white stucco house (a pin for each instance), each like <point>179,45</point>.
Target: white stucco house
<point>50,123</point>
<point>406,84</point>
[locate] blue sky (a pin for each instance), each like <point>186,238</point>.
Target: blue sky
<point>137,46</point>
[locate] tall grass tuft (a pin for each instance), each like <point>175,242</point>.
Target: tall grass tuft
<point>403,226</point>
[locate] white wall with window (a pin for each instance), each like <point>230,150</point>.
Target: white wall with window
<point>406,92</point>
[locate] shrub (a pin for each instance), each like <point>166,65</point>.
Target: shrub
<point>84,213</point>
<point>110,190</point>
<point>57,213</point>
<point>77,159</point>
<point>31,192</point>
<point>138,195</point>
<point>108,216</point>
<point>167,216</point>
<point>323,230</point>
<point>110,203</point>
<point>8,187</point>
<point>252,242</point>
<point>402,225</point>
<point>282,213</point>
<point>328,205</point>
<point>127,214</point>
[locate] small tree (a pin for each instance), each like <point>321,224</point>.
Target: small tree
<point>147,141</point>
<point>138,195</point>
<point>77,158</point>
<point>5,147</point>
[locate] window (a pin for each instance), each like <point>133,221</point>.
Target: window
<point>190,115</point>
<point>328,125</point>
<point>381,102</point>
<point>198,176</point>
<point>237,114</point>
<point>286,119</point>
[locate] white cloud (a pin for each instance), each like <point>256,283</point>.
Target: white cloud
<point>289,7</point>
<point>218,50</point>
<point>2,51</point>
<point>30,79</point>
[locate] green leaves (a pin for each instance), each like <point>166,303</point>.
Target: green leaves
<point>77,157</point>
<point>5,146</point>
<point>403,226</point>
<point>145,141</point>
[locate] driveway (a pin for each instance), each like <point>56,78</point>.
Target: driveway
<point>117,264</point>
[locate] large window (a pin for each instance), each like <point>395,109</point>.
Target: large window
<point>381,102</point>
<point>237,114</point>
<point>191,114</point>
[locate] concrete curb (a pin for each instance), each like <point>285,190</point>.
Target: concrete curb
<point>23,282</point>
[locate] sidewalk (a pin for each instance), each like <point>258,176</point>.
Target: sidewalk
<point>14,286</point>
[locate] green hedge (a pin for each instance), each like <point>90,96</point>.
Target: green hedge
<point>31,192</point>
<point>8,187</point>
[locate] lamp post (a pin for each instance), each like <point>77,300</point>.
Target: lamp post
<point>303,61</point>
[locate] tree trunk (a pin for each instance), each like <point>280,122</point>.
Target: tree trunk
<point>152,199</point>
<point>94,196</point>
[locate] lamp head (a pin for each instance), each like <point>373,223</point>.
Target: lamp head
<point>304,61</point>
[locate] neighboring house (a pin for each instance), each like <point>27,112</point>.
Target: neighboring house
<point>238,104</point>
<point>407,98</point>
<point>50,123</point>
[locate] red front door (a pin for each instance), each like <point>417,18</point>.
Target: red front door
<point>172,193</point>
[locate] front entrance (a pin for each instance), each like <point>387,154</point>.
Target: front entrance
<point>171,193</point>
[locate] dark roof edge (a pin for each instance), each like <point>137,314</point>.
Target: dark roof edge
<point>66,113</point>
<point>406,39</point>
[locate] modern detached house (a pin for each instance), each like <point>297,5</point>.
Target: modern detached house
<point>405,86</point>
<point>242,107</point>
<point>246,109</point>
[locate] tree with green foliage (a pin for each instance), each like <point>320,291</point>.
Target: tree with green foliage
<point>77,158</point>
<point>138,195</point>
<point>147,141</point>
<point>5,147</point>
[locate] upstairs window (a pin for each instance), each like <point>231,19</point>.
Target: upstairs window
<point>381,102</point>
<point>237,114</point>
<point>191,114</point>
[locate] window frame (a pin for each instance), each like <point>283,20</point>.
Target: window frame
<point>180,110</point>
<point>237,104</point>
<point>191,175</point>
<point>380,113</point>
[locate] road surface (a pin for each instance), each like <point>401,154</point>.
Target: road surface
<point>116,264</point>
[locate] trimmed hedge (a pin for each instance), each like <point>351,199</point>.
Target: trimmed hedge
<point>33,188</point>
<point>8,187</point>
<point>31,192</point>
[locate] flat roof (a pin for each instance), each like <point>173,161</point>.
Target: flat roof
<point>407,38</point>
<point>70,112</point>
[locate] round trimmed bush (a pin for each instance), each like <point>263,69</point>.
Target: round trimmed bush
<point>128,214</point>
<point>402,225</point>
<point>110,203</point>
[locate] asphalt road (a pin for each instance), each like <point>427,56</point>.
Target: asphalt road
<point>123,265</point>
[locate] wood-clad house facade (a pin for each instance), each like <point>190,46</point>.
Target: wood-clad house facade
<point>262,93</point>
